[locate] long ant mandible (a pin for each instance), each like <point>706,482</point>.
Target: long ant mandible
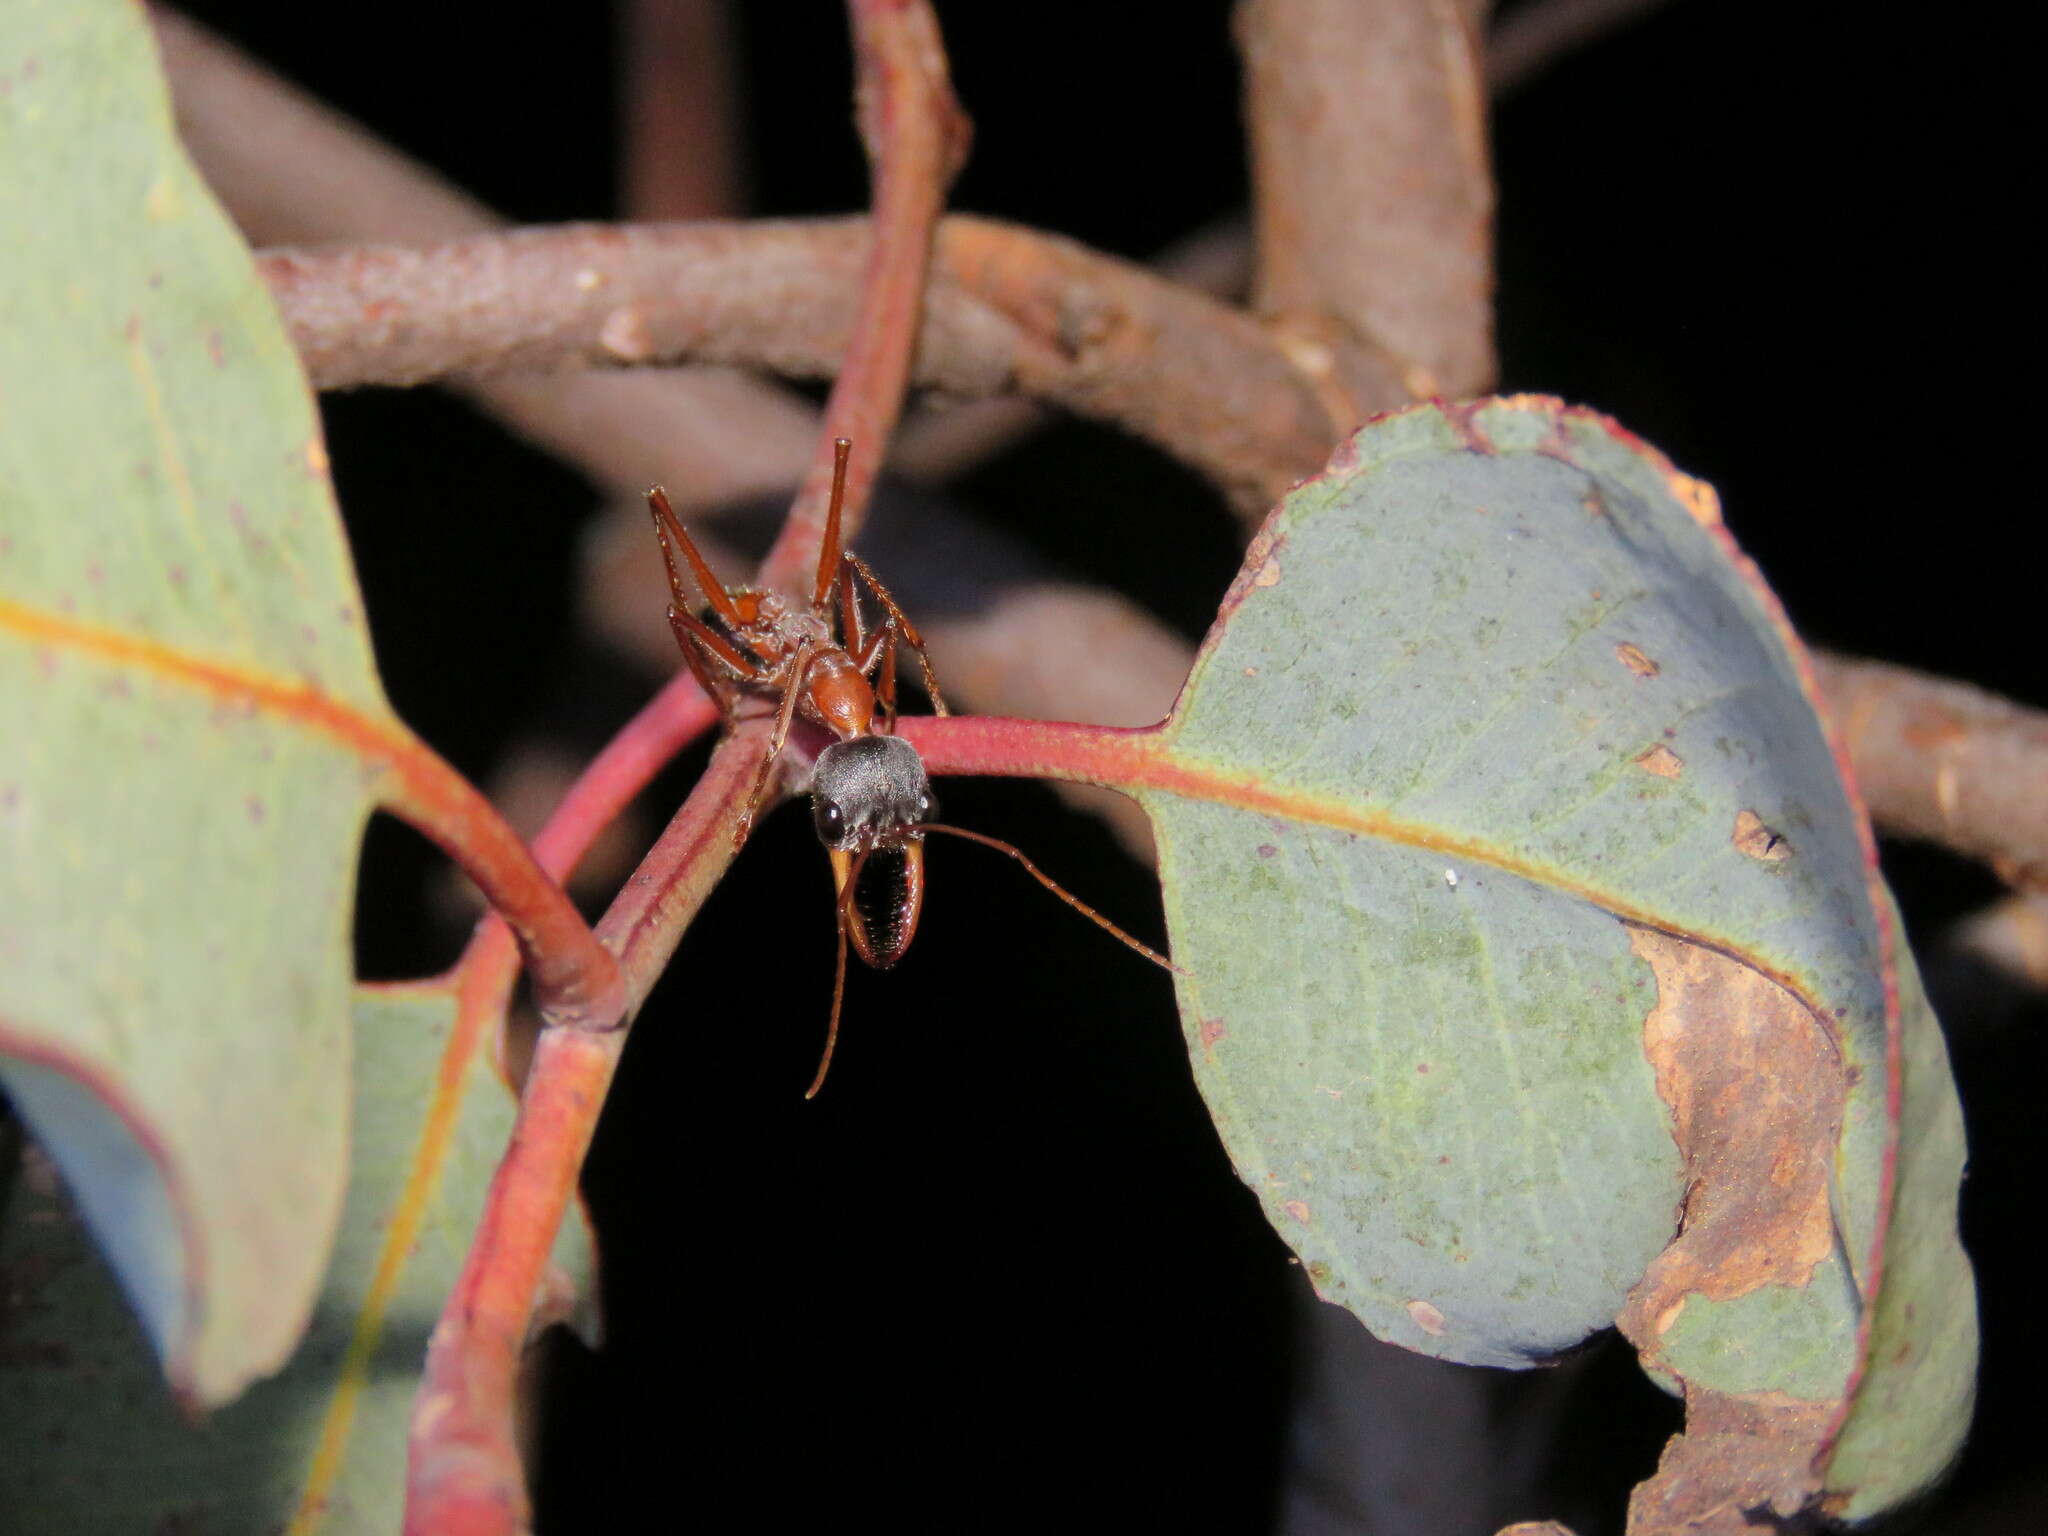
<point>871,800</point>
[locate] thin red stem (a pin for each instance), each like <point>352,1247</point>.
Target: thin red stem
<point>1119,757</point>
<point>647,743</point>
<point>576,980</point>
<point>463,1472</point>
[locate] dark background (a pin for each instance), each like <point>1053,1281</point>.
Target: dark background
<point>1000,1274</point>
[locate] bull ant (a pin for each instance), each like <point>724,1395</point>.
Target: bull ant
<point>871,801</point>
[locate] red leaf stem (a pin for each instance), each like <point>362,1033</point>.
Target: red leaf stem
<point>645,745</point>
<point>1117,757</point>
<point>576,981</point>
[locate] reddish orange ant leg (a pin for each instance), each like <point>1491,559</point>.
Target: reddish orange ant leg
<point>898,620</point>
<point>852,633</point>
<point>868,651</point>
<point>689,630</point>
<point>799,671</point>
<point>828,552</point>
<point>885,678</point>
<point>671,535</point>
<point>719,690</point>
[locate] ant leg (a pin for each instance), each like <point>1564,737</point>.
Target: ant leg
<point>898,620</point>
<point>828,551</point>
<point>799,670</point>
<point>885,678</point>
<point>702,646</point>
<point>873,655</point>
<point>689,628</point>
<point>672,536</point>
<point>719,690</point>
<point>852,632</point>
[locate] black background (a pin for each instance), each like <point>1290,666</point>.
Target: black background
<point>1000,1274</point>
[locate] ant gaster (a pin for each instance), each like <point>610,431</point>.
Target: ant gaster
<point>871,801</point>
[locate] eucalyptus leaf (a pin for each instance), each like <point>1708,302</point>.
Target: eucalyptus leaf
<point>190,713</point>
<point>1495,705</point>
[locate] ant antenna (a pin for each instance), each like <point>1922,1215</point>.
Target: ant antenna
<point>838,975</point>
<point>1055,887</point>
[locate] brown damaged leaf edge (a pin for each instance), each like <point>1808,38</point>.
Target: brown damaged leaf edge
<point>1756,1091</point>
<point>1736,1456</point>
<point>1700,500</point>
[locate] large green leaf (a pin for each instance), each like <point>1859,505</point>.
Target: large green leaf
<point>193,727</point>
<point>1494,710</point>
<point>92,1443</point>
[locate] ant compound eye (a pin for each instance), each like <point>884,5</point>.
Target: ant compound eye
<point>926,806</point>
<point>829,819</point>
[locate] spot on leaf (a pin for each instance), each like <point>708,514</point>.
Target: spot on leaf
<point>1757,840</point>
<point>1427,1318</point>
<point>1635,660</point>
<point>1662,761</point>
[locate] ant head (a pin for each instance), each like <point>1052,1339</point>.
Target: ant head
<point>866,790</point>
<point>867,793</point>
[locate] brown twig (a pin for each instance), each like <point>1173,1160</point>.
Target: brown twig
<point>680,116</point>
<point>936,445</point>
<point>1009,310</point>
<point>1530,38</point>
<point>1373,195</point>
<point>2011,934</point>
<point>1945,761</point>
<point>294,171</point>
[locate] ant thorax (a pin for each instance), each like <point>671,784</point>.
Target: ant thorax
<point>769,624</point>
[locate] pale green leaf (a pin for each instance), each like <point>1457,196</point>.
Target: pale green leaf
<point>193,726</point>
<point>94,1443</point>
<point>1492,688</point>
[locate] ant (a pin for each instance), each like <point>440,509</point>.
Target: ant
<point>871,800</point>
